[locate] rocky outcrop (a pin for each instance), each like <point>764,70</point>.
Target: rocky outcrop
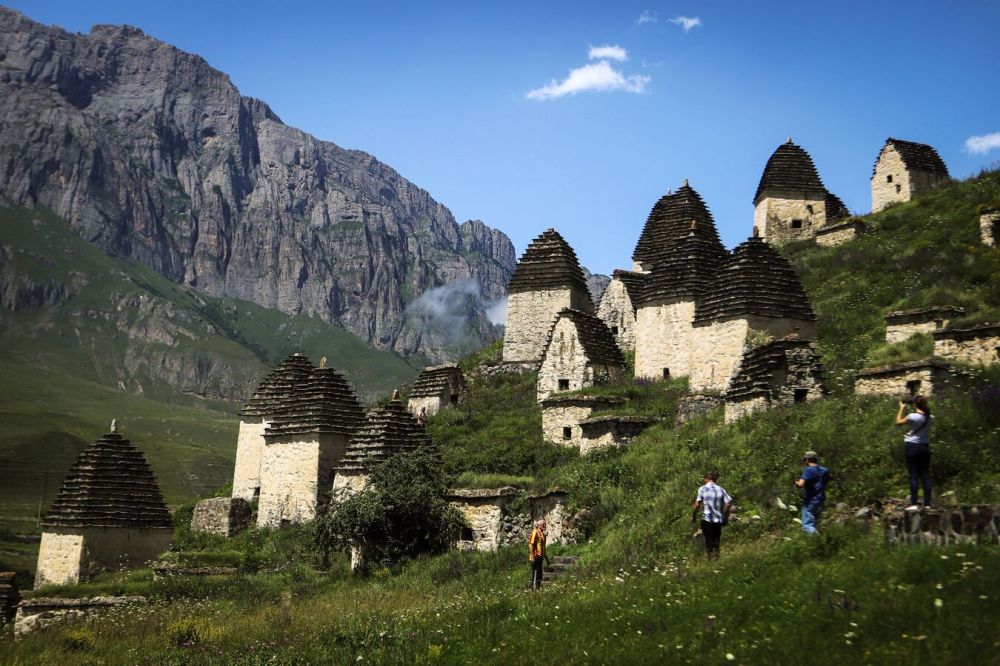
<point>596,284</point>
<point>153,155</point>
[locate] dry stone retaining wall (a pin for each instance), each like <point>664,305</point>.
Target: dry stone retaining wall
<point>976,524</point>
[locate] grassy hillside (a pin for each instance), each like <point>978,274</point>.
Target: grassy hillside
<point>642,592</point>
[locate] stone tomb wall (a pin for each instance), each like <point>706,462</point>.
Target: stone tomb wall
<point>904,379</point>
<point>746,406</point>
<point>347,485</point>
<point>484,510</point>
<point>973,346</point>
<point>775,215</point>
<point>904,184</point>
<point>564,415</point>
<point>566,360</point>
<point>975,524</point>
<point>602,432</point>
<point>989,228</point>
<point>42,612</point>
<point>249,450</point>
<point>616,312</point>
<point>839,234</point>
<point>529,318</point>
<point>70,555</point>
<point>902,331</point>
<point>221,515</point>
<point>663,339</point>
<point>296,475</point>
<point>433,404</point>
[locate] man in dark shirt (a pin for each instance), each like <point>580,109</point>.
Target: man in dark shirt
<point>813,482</point>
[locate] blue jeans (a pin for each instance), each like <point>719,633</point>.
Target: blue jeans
<point>918,463</point>
<point>811,512</point>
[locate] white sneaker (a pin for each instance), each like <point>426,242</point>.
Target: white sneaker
<point>912,507</point>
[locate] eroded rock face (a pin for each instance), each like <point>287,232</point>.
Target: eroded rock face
<point>151,154</point>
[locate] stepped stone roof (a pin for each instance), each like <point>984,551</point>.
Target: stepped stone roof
<point>754,280</point>
<point>274,393</point>
<point>835,208</point>
<point>916,156</point>
<point>633,283</point>
<point>688,264</point>
<point>759,367</point>
<point>432,381</point>
<point>595,337</point>
<point>790,168</point>
<point>109,485</point>
<point>671,218</point>
<point>388,431</point>
<point>969,333</point>
<point>923,313</point>
<point>322,402</point>
<point>548,263</point>
<point>893,368</point>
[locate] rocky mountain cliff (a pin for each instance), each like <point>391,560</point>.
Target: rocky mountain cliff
<point>153,155</point>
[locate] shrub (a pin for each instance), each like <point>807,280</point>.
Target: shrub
<point>78,640</point>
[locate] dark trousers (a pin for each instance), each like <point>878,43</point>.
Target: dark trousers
<point>537,565</point>
<point>918,464</point>
<point>713,534</point>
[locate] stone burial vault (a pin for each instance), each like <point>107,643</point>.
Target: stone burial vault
<point>437,387</point>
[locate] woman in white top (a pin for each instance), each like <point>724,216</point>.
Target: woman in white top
<point>918,447</point>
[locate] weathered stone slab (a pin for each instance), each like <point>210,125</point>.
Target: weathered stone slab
<point>42,612</point>
<point>221,515</point>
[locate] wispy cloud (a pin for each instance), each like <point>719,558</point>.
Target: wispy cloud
<point>596,77</point>
<point>980,145</point>
<point>646,17</point>
<point>686,22</point>
<point>608,52</point>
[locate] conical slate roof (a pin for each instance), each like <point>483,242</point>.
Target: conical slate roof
<point>109,485</point>
<point>322,402</point>
<point>633,283</point>
<point>916,156</point>
<point>275,391</point>
<point>548,263</point>
<point>754,280</point>
<point>790,168</point>
<point>595,337</point>
<point>688,266</point>
<point>835,208</point>
<point>432,381</point>
<point>671,219</point>
<point>760,367</point>
<point>388,431</point>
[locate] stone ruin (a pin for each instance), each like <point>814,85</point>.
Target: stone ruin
<point>908,379</point>
<point>776,374</point>
<point>307,436</point>
<point>225,516</point>
<point>973,524</point>
<point>975,345</point>
<point>695,405</point>
<point>436,388</point>
<point>901,325</point>
<point>839,233</point>
<point>604,431</point>
<point>682,246</point>
<point>791,202</point>
<point>493,521</point>
<point>618,307</point>
<point>989,226</point>
<point>271,396</point>
<point>562,415</point>
<point>579,352</point>
<point>43,612</point>
<point>388,431</point>
<point>9,596</point>
<point>904,169</point>
<point>547,280</point>
<point>109,514</point>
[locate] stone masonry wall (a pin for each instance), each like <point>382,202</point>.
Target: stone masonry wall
<point>60,555</point>
<point>884,192</point>
<point>295,476</point>
<point>663,339</point>
<point>566,359</point>
<point>249,449</point>
<point>989,229</point>
<point>983,350</point>
<point>901,332</point>
<point>944,526</point>
<point>433,404</point>
<point>896,383</point>
<point>616,311</point>
<point>348,485</point>
<point>554,419</point>
<point>529,317</point>
<point>225,516</point>
<point>738,409</point>
<point>838,236</point>
<point>486,521</point>
<point>42,612</point>
<point>71,555</point>
<point>773,216</point>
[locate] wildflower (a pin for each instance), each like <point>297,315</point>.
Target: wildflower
<point>938,603</point>
<point>730,656</point>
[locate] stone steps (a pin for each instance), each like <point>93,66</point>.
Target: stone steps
<point>559,567</point>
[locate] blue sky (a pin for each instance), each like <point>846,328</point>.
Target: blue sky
<point>443,93</point>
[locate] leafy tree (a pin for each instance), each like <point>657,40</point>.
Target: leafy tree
<point>401,513</point>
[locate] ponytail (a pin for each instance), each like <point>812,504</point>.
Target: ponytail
<point>920,402</point>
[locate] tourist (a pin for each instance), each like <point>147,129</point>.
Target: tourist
<point>422,417</point>
<point>918,447</point>
<point>813,482</point>
<point>536,554</point>
<point>713,501</point>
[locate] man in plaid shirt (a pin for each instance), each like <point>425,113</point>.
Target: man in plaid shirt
<point>714,502</point>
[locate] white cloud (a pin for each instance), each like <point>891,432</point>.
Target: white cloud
<point>646,17</point>
<point>983,144</point>
<point>686,22</point>
<point>595,77</point>
<point>608,52</point>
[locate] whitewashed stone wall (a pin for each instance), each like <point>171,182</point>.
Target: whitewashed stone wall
<point>663,339</point>
<point>486,521</point>
<point>554,419</point>
<point>295,475</point>
<point>984,350</point>
<point>433,404</point>
<point>552,509</point>
<point>773,216</point>
<point>717,348</point>
<point>566,359</point>
<point>249,449</point>
<point>905,331</point>
<point>68,556</point>
<point>989,228</point>
<point>529,317</point>
<point>738,409</point>
<point>616,312</point>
